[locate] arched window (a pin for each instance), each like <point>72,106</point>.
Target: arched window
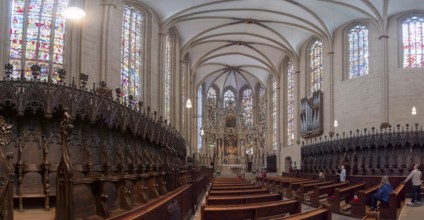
<point>211,105</point>
<point>211,97</point>
<point>247,105</point>
<point>168,74</point>
<point>290,102</point>
<point>413,41</point>
<point>132,52</point>
<point>315,65</point>
<point>261,103</point>
<point>229,96</point>
<point>357,38</point>
<point>274,114</point>
<point>37,31</point>
<point>199,119</point>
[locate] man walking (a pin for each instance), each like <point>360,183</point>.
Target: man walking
<point>416,177</point>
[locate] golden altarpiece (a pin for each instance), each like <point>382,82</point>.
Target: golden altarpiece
<point>229,142</point>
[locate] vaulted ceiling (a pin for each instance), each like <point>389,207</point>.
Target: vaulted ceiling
<point>241,42</point>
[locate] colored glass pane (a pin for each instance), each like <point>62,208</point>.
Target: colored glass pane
<point>413,42</point>
<point>274,114</point>
<point>43,43</point>
<point>132,52</point>
<point>247,105</point>
<point>315,65</point>
<point>199,119</point>
<point>211,104</point>
<point>290,102</point>
<point>168,75</point>
<point>229,96</point>
<point>262,106</point>
<point>358,51</point>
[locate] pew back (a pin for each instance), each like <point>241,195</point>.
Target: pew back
<point>364,196</point>
<point>316,214</point>
<point>237,192</point>
<point>250,211</point>
<point>394,206</point>
<point>245,199</point>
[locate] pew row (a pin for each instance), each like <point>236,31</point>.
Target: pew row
<point>364,198</point>
<point>392,209</point>
<point>305,188</point>
<point>244,199</point>
<point>294,187</point>
<point>324,190</point>
<point>237,192</point>
<point>250,211</point>
<point>346,194</point>
<point>234,187</point>
<point>316,214</point>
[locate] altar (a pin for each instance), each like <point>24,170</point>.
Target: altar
<point>232,169</point>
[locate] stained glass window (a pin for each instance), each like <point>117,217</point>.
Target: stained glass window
<point>358,51</point>
<point>247,105</point>
<point>229,96</point>
<point>274,114</point>
<point>211,105</point>
<point>132,52</point>
<point>261,103</point>
<point>290,102</point>
<point>168,74</point>
<point>413,41</point>
<point>199,119</point>
<point>37,32</point>
<point>315,65</point>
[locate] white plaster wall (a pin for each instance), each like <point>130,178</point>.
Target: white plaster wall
<point>90,45</point>
<point>406,86</point>
<point>358,102</point>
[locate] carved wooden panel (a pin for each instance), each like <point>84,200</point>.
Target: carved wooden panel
<point>111,148</point>
<point>369,152</point>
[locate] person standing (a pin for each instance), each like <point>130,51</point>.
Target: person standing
<point>416,177</point>
<point>342,174</point>
<point>382,194</point>
<point>321,177</point>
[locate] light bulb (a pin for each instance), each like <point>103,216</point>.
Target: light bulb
<point>188,103</point>
<point>73,13</point>
<point>335,123</point>
<point>414,110</point>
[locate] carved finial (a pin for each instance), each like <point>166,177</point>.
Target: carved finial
<point>65,126</point>
<point>5,132</point>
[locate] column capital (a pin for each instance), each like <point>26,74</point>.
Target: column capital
<point>383,36</point>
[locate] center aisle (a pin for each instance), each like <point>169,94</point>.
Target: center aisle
<point>305,208</point>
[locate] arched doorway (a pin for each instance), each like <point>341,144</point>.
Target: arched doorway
<point>287,164</point>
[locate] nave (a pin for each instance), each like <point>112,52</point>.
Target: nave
<point>406,212</point>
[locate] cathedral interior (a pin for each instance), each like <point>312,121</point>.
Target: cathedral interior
<point>132,109</point>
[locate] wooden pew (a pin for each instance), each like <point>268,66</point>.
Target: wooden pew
<point>294,186</point>
<point>243,199</point>
<point>228,180</point>
<point>237,192</point>
<point>234,187</point>
<point>305,188</point>
<point>322,190</point>
<point>316,214</point>
<point>364,196</point>
<point>232,184</point>
<point>346,193</point>
<point>395,204</point>
<point>250,211</point>
<point>284,183</point>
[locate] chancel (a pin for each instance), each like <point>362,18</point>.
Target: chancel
<point>201,109</point>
